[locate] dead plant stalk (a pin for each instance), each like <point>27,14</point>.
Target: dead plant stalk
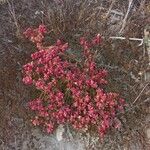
<point>126,16</point>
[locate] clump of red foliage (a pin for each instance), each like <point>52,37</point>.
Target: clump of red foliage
<point>71,93</point>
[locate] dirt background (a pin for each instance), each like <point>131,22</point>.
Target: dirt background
<point>68,19</point>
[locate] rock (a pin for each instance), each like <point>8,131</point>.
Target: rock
<point>148,133</point>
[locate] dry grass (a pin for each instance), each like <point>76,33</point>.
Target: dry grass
<point>124,59</point>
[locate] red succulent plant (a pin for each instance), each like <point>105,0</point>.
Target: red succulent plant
<point>70,93</point>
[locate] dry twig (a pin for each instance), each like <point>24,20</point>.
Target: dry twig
<point>126,16</point>
<point>140,93</point>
